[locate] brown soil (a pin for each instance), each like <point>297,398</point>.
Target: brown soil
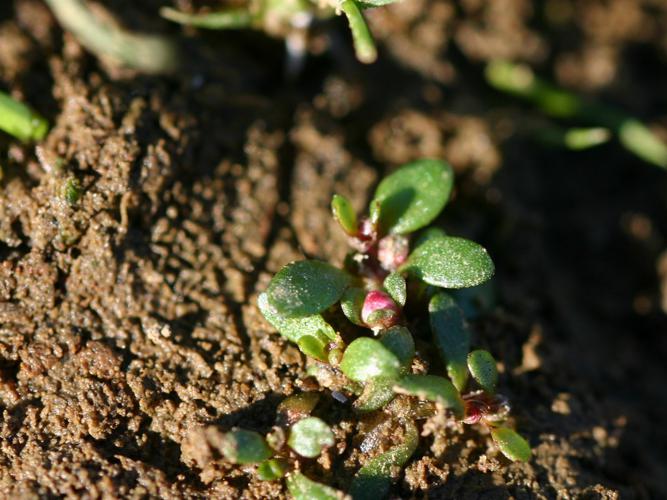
<point>129,334</point>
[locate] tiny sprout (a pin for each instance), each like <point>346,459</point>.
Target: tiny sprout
<point>72,190</point>
<point>387,269</point>
<point>245,447</point>
<point>272,469</point>
<point>310,436</point>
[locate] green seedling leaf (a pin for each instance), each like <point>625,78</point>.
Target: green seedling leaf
<point>414,195</point>
<point>20,121</point>
<point>302,488</point>
<point>579,138</point>
<point>364,46</point>
<point>374,479</point>
<point>366,359</point>
<point>451,336</point>
<point>294,328</point>
<point>399,341</point>
<point>351,303</point>
<point>228,19</point>
<point>245,447</point>
<point>314,346</point>
<point>395,285</point>
<point>308,437</point>
<point>376,394</point>
<point>273,469</point>
<point>344,214</point>
<point>297,406</point>
<point>432,388</point>
<point>449,262</point>
<point>511,444</point>
<point>483,369</point>
<point>638,139</point>
<point>306,287</point>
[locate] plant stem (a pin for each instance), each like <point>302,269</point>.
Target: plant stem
<point>364,46</point>
<point>20,121</point>
<point>228,19</point>
<point>144,52</point>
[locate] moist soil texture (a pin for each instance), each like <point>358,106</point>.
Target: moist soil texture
<point>130,338</point>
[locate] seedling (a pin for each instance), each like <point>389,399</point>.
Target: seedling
<point>399,271</point>
<point>520,81</point>
<point>102,36</point>
<point>289,19</point>
<point>19,120</point>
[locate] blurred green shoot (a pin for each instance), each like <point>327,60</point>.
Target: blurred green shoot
<point>19,120</point>
<point>520,81</point>
<point>104,38</point>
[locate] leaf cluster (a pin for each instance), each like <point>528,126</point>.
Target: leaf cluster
<point>399,271</point>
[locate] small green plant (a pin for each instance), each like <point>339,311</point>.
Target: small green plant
<point>19,120</point>
<point>520,80</point>
<point>356,323</point>
<point>289,19</point>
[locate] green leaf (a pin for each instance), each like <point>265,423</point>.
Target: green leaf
<point>400,342</point>
<point>314,346</point>
<point>297,406</point>
<point>245,447</point>
<point>395,285</point>
<point>344,214</point>
<point>294,328</point>
<point>414,195</point>
<point>306,287</point>
<point>375,3</point>
<point>449,262</point>
<point>483,369</point>
<point>451,336</point>
<point>302,488</point>
<point>19,120</point>
<point>351,303</point>
<point>309,436</point>
<point>367,358</point>
<point>373,480</point>
<point>432,388</point>
<point>377,393</point>
<point>511,444</point>
<point>273,469</point>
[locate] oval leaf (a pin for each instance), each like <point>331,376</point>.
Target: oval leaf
<point>245,447</point>
<point>302,488</point>
<point>395,285</point>
<point>308,437</point>
<point>352,303</point>
<point>376,394</point>
<point>400,342</point>
<point>511,444</point>
<point>294,328</point>
<point>344,214</point>
<point>306,287</point>
<point>273,469</point>
<point>483,369</point>
<point>433,388</point>
<point>451,336</point>
<point>374,479</point>
<point>449,262</point>
<point>414,195</point>
<point>367,358</point>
